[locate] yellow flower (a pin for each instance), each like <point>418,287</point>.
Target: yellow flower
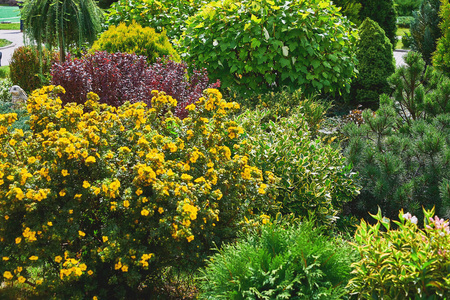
<point>8,275</point>
<point>50,224</point>
<point>5,258</point>
<point>21,279</point>
<point>31,159</point>
<point>62,193</point>
<point>34,257</point>
<point>190,238</point>
<point>126,203</point>
<point>39,281</point>
<point>81,233</point>
<point>105,239</point>
<point>86,184</point>
<point>6,217</point>
<point>145,212</point>
<point>125,268</point>
<point>58,259</point>
<point>262,189</point>
<point>160,210</point>
<point>64,173</point>
<point>139,192</point>
<point>90,272</point>
<point>18,240</point>
<point>95,298</point>
<point>190,107</point>
<point>90,159</point>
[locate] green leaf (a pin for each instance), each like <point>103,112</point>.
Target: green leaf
<point>255,43</point>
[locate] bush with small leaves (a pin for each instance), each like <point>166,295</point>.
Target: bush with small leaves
<point>401,260</point>
<point>283,261</point>
<point>137,40</point>
<point>441,57</point>
<point>121,77</point>
<point>259,46</point>
<point>25,67</point>
<point>100,199</point>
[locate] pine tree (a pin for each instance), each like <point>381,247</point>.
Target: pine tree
<point>382,12</point>
<point>425,29</point>
<point>61,22</point>
<point>375,63</point>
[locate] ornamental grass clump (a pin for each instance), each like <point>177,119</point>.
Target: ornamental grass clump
<point>99,198</point>
<point>402,263</point>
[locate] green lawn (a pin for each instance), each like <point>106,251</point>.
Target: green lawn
<point>402,31</point>
<point>4,43</point>
<point>10,26</point>
<point>9,14</point>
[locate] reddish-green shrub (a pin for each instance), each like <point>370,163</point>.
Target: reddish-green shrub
<point>122,77</point>
<point>25,69</point>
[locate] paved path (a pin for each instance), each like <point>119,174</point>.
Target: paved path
<point>398,56</point>
<point>16,37</point>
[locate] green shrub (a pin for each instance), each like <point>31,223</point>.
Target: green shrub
<point>5,85</point>
<point>135,39</point>
<point>295,261</point>
<point>25,67</point>
<point>102,199</point>
<point>350,9</point>
<point>401,151</point>
<point>314,178</point>
<point>402,263</point>
<point>4,72</point>
<point>441,57</point>
<point>404,22</point>
<point>259,46</point>
<point>425,29</point>
<point>407,40</point>
<point>165,15</point>
<point>382,12</point>
<point>406,7</point>
<point>375,63</point>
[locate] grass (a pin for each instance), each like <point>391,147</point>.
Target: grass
<point>10,26</point>
<point>4,72</point>
<point>401,32</point>
<point>9,14</point>
<point>4,43</point>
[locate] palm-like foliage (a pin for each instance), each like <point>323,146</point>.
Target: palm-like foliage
<point>61,23</point>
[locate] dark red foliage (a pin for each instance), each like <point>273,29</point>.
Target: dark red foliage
<point>122,77</point>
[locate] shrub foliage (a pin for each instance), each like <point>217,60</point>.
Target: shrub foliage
<point>441,57</point>
<point>382,12</point>
<point>121,77</point>
<point>405,262</point>
<point>28,70</point>
<point>293,261</point>
<point>375,63</point>
<point>258,46</point>
<point>135,39</point>
<point>100,198</point>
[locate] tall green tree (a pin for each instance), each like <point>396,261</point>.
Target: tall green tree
<point>425,29</point>
<point>441,57</point>
<point>62,23</point>
<point>382,12</point>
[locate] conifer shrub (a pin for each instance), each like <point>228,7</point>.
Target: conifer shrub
<point>314,176</point>
<point>25,68</point>
<point>121,77</point>
<point>401,260</point>
<point>260,46</point>
<point>137,40</point>
<point>375,63</point>
<point>99,199</point>
<point>441,57</point>
<point>282,261</point>
<point>383,12</point>
<point>425,30</point>
<point>402,150</point>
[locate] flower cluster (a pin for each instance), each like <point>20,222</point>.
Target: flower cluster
<point>124,190</point>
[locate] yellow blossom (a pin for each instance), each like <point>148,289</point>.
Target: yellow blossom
<point>81,233</point>
<point>160,210</point>
<point>34,257</point>
<point>58,259</point>
<point>8,275</point>
<point>145,212</point>
<point>21,279</point>
<point>64,173</point>
<point>105,239</point>
<point>86,184</point>
<point>90,159</point>
<point>126,203</point>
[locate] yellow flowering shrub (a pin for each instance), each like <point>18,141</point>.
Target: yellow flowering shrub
<point>101,198</point>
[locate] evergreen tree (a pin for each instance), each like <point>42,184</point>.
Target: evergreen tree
<point>61,22</point>
<point>382,12</point>
<point>425,29</point>
<point>441,57</point>
<point>375,63</point>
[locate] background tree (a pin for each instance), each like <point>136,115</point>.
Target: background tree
<point>375,63</point>
<point>350,9</point>
<point>425,29</point>
<point>441,57</point>
<point>406,7</point>
<point>61,23</point>
<point>382,12</point>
